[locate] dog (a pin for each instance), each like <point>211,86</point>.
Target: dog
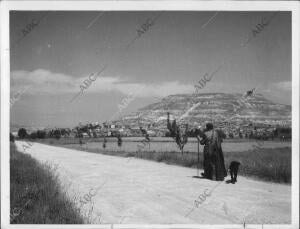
<point>233,169</point>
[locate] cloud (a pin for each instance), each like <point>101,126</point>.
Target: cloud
<point>161,90</point>
<point>43,81</point>
<point>273,88</point>
<point>283,85</point>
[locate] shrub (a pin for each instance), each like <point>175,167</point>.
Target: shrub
<point>22,133</point>
<point>33,135</point>
<point>11,137</point>
<point>57,134</point>
<point>41,134</point>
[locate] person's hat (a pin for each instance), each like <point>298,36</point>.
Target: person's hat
<point>209,126</point>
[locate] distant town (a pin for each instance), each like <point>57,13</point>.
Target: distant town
<point>264,131</point>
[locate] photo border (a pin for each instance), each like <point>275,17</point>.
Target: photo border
<point>292,6</point>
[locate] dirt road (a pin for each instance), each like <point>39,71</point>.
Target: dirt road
<point>130,190</point>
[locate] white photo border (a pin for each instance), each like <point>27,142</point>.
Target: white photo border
<point>6,7</point>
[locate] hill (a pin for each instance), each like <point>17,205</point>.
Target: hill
<point>219,108</point>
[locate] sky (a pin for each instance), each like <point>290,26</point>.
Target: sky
<point>63,49</point>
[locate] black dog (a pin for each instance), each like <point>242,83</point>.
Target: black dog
<point>233,169</point>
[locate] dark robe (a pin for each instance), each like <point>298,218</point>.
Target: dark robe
<point>207,163</point>
<point>213,161</point>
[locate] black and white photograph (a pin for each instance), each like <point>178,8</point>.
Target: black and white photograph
<point>130,115</point>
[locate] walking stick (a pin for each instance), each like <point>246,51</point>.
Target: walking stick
<point>198,138</point>
<point>198,157</point>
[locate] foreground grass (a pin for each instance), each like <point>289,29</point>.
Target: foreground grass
<point>268,164</point>
<point>35,195</point>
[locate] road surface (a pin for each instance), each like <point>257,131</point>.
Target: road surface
<point>130,190</point>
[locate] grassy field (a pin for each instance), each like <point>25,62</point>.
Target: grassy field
<point>269,164</point>
<point>35,193</point>
<point>266,160</point>
<point>71,140</point>
<point>160,144</point>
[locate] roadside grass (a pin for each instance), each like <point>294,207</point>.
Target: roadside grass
<point>268,164</point>
<point>35,193</point>
<point>272,164</point>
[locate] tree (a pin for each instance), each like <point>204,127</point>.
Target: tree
<point>240,135</point>
<point>146,140</point>
<point>41,134</point>
<point>181,138</point>
<point>57,134</point>
<point>33,135</point>
<point>63,132</point>
<point>22,133</point>
<point>11,137</point>
<point>104,142</point>
<point>251,135</point>
<point>119,140</point>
